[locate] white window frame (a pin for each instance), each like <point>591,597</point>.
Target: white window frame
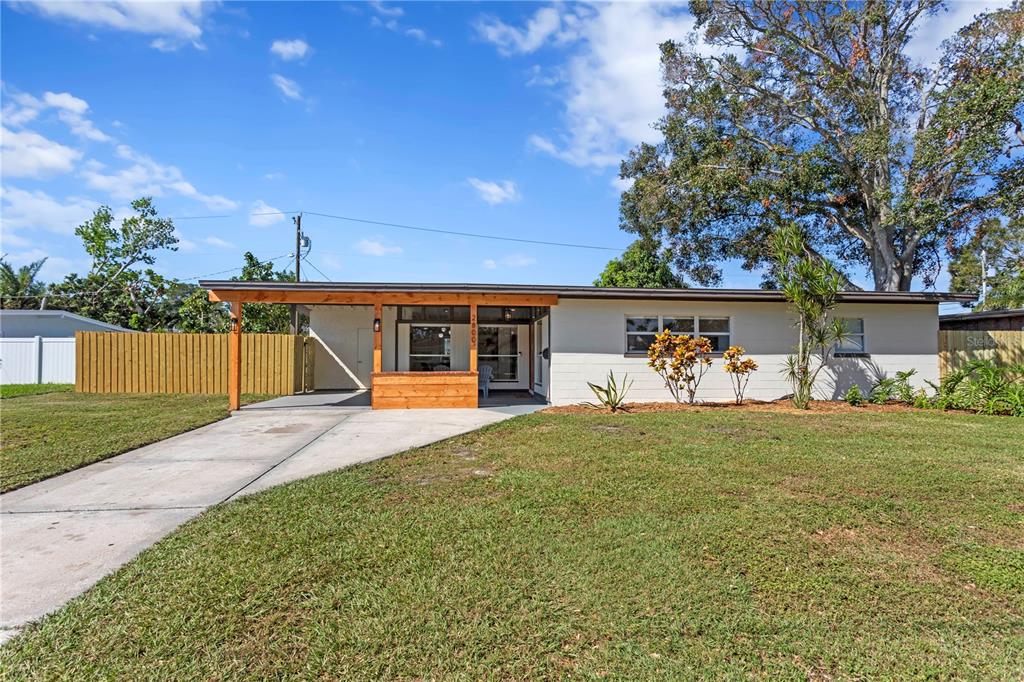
<point>675,316</point>
<point>843,349</point>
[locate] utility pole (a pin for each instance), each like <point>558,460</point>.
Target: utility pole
<point>984,277</point>
<point>298,260</point>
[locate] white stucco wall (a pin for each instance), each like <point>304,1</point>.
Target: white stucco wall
<point>588,340</point>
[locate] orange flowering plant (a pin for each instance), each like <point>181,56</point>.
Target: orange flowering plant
<point>682,361</point>
<point>739,369</point>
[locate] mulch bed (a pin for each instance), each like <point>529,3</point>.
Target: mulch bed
<point>783,405</point>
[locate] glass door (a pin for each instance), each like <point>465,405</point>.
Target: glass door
<point>498,347</point>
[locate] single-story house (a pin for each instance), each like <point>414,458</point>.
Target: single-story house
<point>51,324</point>
<point>988,320</point>
<point>38,346</point>
<point>423,345</point>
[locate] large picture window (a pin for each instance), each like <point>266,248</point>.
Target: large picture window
<point>430,348</point>
<point>641,330</point>
<point>498,347</point>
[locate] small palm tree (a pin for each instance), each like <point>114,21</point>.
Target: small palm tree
<point>19,288</point>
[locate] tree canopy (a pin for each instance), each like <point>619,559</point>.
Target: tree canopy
<point>814,113</point>
<point>640,266</point>
<point>20,288</point>
<point>1003,246</point>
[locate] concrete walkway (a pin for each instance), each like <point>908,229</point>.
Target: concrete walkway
<point>60,536</point>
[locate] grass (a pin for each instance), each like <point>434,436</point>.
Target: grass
<point>18,390</point>
<point>51,433</point>
<point>711,544</point>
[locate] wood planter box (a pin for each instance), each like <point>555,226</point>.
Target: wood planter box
<point>405,390</point>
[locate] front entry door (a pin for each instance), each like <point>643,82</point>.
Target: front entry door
<point>364,356</point>
<point>498,346</point>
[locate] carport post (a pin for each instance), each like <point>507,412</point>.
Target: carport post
<point>472,338</point>
<point>235,358</point>
<point>378,339</point>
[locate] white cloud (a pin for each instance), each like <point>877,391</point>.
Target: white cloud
<point>613,89</point>
<point>146,177</point>
<point>83,127</point>
<point>386,10</point>
<point>290,50</point>
<point>417,34</point>
<point>374,247</point>
<point>262,214</point>
<point>548,24</point>
<point>286,86</point>
<point>495,192</point>
<point>218,242</point>
<point>71,111</point>
<point>514,260</point>
<point>273,176</point>
<point>29,154</point>
<point>925,46</point>
<point>331,262</point>
<point>23,209</point>
<point>66,101</point>
<point>55,267</point>
<point>174,22</point>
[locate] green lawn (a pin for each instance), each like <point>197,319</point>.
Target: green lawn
<point>721,544</point>
<point>19,390</point>
<point>47,434</point>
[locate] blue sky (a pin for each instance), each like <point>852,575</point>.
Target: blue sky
<point>499,118</point>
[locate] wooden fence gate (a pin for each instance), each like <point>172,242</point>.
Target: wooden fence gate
<point>958,347</point>
<point>119,362</point>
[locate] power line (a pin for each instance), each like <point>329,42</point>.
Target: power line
<point>465,234</point>
<point>310,264</point>
<point>221,272</point>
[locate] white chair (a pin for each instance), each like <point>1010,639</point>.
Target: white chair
<point>484,382</point>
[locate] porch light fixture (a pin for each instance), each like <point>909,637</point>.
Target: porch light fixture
<point>376,324</point>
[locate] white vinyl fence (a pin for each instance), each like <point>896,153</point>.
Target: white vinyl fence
<point>37,360</point>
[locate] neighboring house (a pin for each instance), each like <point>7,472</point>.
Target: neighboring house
<point>420,344</point>
<point>988,320</point>
<point>38,346</point>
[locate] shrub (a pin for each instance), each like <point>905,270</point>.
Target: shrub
<point>854,396</point>
<point>982,386</point>
<point>739,370</point>
<point>895,388</point>
<point>611,395</point>
<point>681,361</point>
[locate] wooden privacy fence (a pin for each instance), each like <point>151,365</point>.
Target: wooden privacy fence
<point>958,347</point>
<point>115,362</point>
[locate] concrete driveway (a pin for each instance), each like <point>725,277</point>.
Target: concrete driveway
<point>60,536</point>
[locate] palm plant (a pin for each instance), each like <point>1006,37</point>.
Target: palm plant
<point>811,285</point>
<point>19,288</point>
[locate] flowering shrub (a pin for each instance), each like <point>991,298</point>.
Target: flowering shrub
<point>739,369</point>
<point>681,361</point>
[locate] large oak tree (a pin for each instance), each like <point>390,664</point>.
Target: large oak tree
<point>815,113</point>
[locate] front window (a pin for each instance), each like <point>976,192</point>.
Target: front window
<point>498,348</point>
<point>640,331</point>
<point>430,348</point>
<point>854,341</point>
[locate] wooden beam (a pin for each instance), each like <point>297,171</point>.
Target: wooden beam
<point>472,338</point>
<point>235,358</point>
<point>378,338</point>
<point>313,297</point>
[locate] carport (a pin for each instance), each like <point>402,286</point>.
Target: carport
<point>394,388</point>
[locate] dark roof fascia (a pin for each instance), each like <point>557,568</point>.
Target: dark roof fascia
<point>582,292</point>
<point>982,315</point>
